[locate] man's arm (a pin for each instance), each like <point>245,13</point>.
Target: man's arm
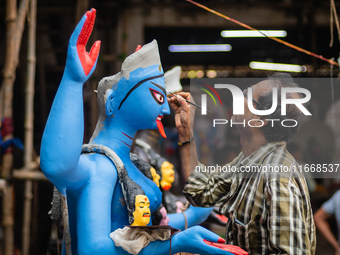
<point>320,218</point>
<point>184,118</point>
<point>202,187</point>
<point>329,209</point>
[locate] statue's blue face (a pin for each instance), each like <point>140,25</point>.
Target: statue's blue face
<point>144,104</point>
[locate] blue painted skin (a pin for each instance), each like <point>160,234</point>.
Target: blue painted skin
<point>95,200</point>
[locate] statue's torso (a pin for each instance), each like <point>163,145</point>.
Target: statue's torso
<point>102,195</point>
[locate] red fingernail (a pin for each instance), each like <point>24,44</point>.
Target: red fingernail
<point>207,242</point>
<point>220,240</point>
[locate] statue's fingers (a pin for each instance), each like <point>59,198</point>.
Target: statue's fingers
<point>227,247</point>
<point>91,16</point>
<point>78,30</point>
<point>94,52</point>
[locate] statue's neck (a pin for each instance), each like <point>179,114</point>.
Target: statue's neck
<point>117,136</point>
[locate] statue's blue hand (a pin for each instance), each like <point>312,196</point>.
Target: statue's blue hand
<point>194,215</point>
<point>196,240</point>
<point>81,64</point>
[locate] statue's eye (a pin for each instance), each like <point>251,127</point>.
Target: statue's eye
<point>159,98</point>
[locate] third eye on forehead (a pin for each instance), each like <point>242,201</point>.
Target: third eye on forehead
<point>159,86</point>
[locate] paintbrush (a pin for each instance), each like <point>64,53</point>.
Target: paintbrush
<point>169,92</point>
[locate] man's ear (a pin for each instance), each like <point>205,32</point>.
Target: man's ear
<point>258,123</point>
<point>109,105</point>
<point>262,122</point>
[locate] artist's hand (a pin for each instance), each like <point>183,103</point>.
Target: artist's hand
<point>81,64</point>
<point>184,115</point>
<point>337,251</point>
<point>197,240</point>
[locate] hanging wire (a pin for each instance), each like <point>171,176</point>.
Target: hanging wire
<point>330,61</point>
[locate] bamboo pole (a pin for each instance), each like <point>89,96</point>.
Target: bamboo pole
<point>31,65</point>
<point>29,116</point>
<point>29,175</point>
<point>14,29</point>
<point>27,217</point>
<point>81,7</point>
<point>8,220</point>
<point>42,82</point>
<point>15,26</point>
<point>67,234</point>
<point>1,103</point>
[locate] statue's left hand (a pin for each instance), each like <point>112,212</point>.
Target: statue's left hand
<point>81,64</point>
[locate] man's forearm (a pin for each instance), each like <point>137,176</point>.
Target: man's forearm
<point>325,230</point>
<point>188,156</point>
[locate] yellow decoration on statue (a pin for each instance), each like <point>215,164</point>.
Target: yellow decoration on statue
<point>155,176</point>
<point>168,175</point>
<point>142,212</point>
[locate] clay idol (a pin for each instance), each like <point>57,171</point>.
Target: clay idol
<point>105,191</point>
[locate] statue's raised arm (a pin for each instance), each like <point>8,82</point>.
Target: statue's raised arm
<point>64,131</point>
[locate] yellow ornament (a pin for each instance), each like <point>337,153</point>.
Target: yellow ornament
<point>155,176</point>
<point>142,213</point>
<point>168,175</point>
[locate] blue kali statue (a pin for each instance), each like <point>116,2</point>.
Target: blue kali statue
<point>133,99</point>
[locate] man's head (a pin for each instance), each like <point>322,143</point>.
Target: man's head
<point>262,97</point>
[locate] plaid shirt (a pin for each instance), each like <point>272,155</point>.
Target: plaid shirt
<point>269,213</point>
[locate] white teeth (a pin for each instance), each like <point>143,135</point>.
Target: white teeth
<point>158,118</point>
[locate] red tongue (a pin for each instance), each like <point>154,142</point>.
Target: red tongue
<point>160,128</point>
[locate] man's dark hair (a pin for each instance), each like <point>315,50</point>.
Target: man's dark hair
<point>278,132</point>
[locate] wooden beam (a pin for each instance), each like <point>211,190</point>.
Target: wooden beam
<point>29,175</point>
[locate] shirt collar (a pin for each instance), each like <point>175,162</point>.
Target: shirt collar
<point>258,156</point>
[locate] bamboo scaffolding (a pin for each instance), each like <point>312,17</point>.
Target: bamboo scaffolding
<point>29,117</point>
<point>15,21</point>
<point>29,175</point>
<point>67,234</point>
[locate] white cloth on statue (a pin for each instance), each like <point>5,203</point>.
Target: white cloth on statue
<point>134,239</point>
